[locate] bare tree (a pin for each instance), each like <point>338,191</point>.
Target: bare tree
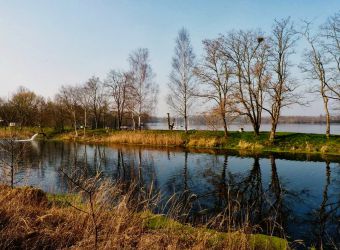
<point>11,152</point>
<point>89,187</point>
<point>95,91</point>
<point>144,89</point>
<point>119,84</point>
<point>330,32</point>
<point>215,73</point>
<point>281,88</point>
<point>249,54</point>
<point>84,98</point>
<point>67,97</point>
<point>24,104</point>
<point>316,67</point>
<point>182,84</point>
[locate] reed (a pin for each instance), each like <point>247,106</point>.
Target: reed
<point>147,138</point>
<point>17,133</point>
<point>253,146</point>
<point>32,220</point>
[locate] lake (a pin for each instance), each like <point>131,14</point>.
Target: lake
<point>288,127</point>
<point>297,196</point>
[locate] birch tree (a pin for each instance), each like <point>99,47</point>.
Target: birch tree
<point>144,90</point>
<point>182,85</point>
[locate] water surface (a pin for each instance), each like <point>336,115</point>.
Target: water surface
<point>293,196</point>
<point>287,127</point>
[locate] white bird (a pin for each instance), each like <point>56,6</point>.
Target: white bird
<point>32,138</point>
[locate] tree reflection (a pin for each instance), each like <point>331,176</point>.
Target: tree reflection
<point>326,217</point>
<point>225,190</point>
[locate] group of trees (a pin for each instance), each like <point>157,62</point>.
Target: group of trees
<point>123,97</point>
<point>240,74</point>
<point>243,73</point>
<point>249,73</point>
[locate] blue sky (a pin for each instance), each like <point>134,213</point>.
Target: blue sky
<point>44,44</point>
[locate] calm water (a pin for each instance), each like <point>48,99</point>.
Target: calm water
<point>297,192</point>
<point>298,128</point>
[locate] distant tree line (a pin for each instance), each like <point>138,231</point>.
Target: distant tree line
<point>122,98</point>
<point>242,74</point>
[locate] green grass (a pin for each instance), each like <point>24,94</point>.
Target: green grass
<point>257,241</point>
<point>160,222</point>
<point>245,142</point>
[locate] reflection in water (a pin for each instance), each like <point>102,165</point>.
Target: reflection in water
<point>325,218</point>
<point>298,199</point>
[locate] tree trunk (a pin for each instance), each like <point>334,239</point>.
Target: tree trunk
<point>225,126</point>
<point>139,122</point>
<point>186,123</point>
<point>328,118</point>
<point>85,118</point>
<point>75,123</point>
<point>133,122</point>
<point>118,119</point>
<point>273,130</point>
<point>256,128</point>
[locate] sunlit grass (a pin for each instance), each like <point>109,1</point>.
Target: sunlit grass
<point>31,219</point>
<point>246,141</point>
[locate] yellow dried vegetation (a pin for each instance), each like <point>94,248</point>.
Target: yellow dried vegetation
<point>204,142</point>
<point>31,220</point>
<point>244,145</point>
<point>144,138</point>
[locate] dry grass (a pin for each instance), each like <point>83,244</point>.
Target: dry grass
<point>145,138</point>
<point>128,137</point>
<point>29,220</point>
<point>285,142</point>
<point>22,134</point>
<point>324,149</point>
<point>204,142</point>
<point>244,145</point>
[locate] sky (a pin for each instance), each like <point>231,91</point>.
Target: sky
<point>45,44</point>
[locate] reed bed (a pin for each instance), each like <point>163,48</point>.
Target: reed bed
<point>17,133</point>
<point>253,146</point>
<point>29,219</point>
<point>247,141</point>
<point>212,142</point>
<point>147,138</point>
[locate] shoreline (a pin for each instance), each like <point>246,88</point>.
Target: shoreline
<point>244,142</point>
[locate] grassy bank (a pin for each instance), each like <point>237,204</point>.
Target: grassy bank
<point>30,219</point>
<point>25,132</point>
<point>247,142</point>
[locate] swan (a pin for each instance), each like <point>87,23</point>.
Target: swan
<point>32,138</point>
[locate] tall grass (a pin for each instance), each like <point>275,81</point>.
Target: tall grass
<point>147,138</point>
<point>31,220</point>
<point>22,134</point>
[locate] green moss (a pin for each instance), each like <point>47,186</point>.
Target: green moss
<point>257,241</point>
